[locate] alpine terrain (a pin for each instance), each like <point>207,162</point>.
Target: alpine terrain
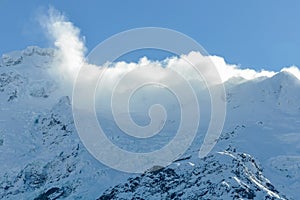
<point>42,157</point>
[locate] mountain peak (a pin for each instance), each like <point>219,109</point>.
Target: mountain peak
<point>17,57</point>
<point>285,77</point>
<point>31,50</point>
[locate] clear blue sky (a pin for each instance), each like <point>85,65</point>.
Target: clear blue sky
<point>257,33</point>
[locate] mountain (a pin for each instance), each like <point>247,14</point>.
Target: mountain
<point>42,156</point>
<point>224,175</point>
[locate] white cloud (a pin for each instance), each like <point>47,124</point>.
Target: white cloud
<point>69,43</point>
<point>228,71</point>
<point>71,50</point>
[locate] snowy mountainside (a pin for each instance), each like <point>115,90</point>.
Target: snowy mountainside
<point>263,119</point>
<point>41,153</point>
<point>267,112</point>
<point>42,156</point>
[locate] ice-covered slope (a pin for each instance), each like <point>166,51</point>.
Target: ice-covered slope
<point>42,156</point>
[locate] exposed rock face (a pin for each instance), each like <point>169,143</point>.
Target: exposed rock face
<point>226,175</point>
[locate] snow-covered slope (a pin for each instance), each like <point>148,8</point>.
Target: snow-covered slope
<point>41,153</point>
<point>269,109</point>
<point>42,157</point>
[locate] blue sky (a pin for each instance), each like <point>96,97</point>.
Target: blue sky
<point>256,34</point>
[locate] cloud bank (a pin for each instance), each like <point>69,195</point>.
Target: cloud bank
<point>71,53</point>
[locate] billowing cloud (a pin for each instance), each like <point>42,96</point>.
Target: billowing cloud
<point>71,51</point>
<point>70,46</point>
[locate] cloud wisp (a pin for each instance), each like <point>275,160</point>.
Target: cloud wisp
<point>69,45</point>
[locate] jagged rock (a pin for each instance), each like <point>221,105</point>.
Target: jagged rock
<point>227,175</point>
<point>9,60</point>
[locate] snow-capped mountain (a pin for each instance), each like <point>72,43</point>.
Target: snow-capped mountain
<point>42,157</point>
